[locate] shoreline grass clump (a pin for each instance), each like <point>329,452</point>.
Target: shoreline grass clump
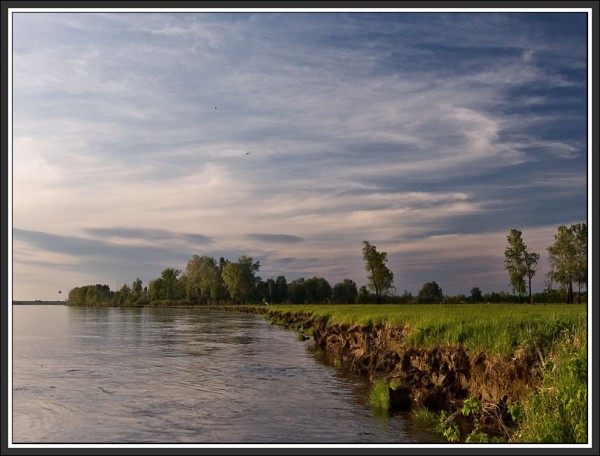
<point>379,396</point>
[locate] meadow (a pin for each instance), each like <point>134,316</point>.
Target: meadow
<point>496,329</point>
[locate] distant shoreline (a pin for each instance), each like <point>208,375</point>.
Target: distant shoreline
<point>39,303</point>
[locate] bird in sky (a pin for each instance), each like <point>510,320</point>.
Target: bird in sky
<point>247,153</point>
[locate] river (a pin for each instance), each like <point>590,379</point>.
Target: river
<point>182,376</point>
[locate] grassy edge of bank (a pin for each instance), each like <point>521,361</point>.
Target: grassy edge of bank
<point>555,409</point>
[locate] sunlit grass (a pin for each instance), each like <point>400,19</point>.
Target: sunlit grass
<point>492,328</point>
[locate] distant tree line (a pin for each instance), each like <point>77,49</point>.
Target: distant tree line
<point>207,280</point>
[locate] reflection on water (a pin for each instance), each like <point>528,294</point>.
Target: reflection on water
<point>110,375</point>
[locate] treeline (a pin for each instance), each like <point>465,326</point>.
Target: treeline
<point>207,280</point>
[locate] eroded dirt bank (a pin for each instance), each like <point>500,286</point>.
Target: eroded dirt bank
<point>439,378</point>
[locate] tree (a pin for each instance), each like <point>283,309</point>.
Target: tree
<point>476,295</point>
<point>240,278</point>
<point>364,297</point>
<point>514,261</point>
<point>91,295</point>
<point>204,279</point>
<point>380,277</point>
<point>430,293</point>
<point>279,290</point>
<point>168,285</point>
<point>568,257</point>
<point>123,295</point>
<point>297,291</point>
<point>136,289</point>
<point>317,290</point>
<point>223,293</point>
<point>193,288</point>
<point>519,262</point>
<point>345,292</point>
<point>531,265</point>
<point>581,264</point>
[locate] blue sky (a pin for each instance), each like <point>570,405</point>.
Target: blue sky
<point>141,139</point>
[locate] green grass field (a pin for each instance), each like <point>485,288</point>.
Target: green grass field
<point>496,329</point>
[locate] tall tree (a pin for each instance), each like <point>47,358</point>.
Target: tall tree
<point>223,293</point>
<point>568,257</point>
<point>240,278</point>
<point>212,280</point>
<point>581,259</point>
<point>514,261</point>
<point>530,260</point>
<point>317,289</point>
<point>279,290</point>
<point>380,277</point>
<point>430,293</point>
<point>476,295</point>
<point>297,291</point>
<point>136,289</point>
<point>168,285</point>
<point>345,292</point>
<point>169,277</point>
<point>193,288</point>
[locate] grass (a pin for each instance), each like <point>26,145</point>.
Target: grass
<point>496,329</point>
<point>379,396</point>
<point>557,411</point>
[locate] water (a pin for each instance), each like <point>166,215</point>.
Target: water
<point>110,375</point>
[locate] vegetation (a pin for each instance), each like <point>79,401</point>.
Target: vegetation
<point>568,258</point>
<point>519,262</point>
<point>315,289</point>
<point>206,281</point>
<point>557,411</point>
<point>380,277</point>
<point>240,278</point>
<point>168,286</point>
<point>430,293</point>
<point>379,395</point>
<point>554,413</point>
<point>494,329</point>
<point>91,295</point>
<point>345,292</point>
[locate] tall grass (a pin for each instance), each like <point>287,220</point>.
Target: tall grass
<point>379,396</point>
<point>496,329</point>
<point>557,411</point>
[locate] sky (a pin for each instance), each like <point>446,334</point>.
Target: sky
<point>142,139</point>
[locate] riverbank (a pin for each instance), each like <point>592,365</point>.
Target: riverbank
<point>492,359</point>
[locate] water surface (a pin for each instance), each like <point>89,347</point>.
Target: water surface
<point>125,375</point>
